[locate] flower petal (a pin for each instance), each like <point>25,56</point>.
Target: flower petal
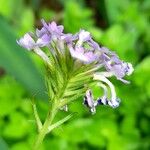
<point>27,42</point>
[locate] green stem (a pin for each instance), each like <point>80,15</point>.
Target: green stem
<point>41,136</point>
<point>37,118</point>
<point>51,114</point>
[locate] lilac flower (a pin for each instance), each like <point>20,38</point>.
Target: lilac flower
<point>41,32</point>
<point>89,102</point>
<point>93,44</point>
<point>69,38</point>
<point>83,47</point>
<point>84,50</point>
<point>79,53</point>
<point>105,101</point>
<point>114,66</point>
<point>43,40</point>
<point>101,101</point>
<point>83,37</point>
<point>73,63</point>
<point>27,42</point>
<point>92,104</point>
<point>48,33</point>
<point>114,101</point>
<point>52,29</point>
<point>120,70</point>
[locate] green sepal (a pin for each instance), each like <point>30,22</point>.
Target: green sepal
<point>60,122</point>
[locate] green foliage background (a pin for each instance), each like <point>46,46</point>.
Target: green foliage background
<point>122,26</point>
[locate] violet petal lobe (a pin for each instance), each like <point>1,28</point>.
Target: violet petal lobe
<point>44,40</point>
<point>27,42</point>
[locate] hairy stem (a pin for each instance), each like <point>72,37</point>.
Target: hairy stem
<point>37,118</point>
<point>50,116</point>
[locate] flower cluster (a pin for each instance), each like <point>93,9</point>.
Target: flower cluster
<point>84,51</point>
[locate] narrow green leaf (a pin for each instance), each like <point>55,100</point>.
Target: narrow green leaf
<point>36,115</point>
<point>60,122</point>
<point>16,61</point>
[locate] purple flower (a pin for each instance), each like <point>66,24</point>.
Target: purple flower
<point>79,53</point>
<point>27,42</point>
<point>89,102</point>
<point>120,69</point>
<point>114,104</point>
<point>102,101</point>
<point>84,49</point>
<point>68,38</point>
<point>114,65</point>
<point>41,32</point>
<point>52,29</point>
<point>83,36</point>
<point>43,40</point>
<point>48,33</point>
<point>93,44</point>
<point>92,104</point>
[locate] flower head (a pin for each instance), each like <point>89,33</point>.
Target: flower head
<point>76,60</point>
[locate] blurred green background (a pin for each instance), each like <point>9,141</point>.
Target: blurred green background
<point>122,26</point>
